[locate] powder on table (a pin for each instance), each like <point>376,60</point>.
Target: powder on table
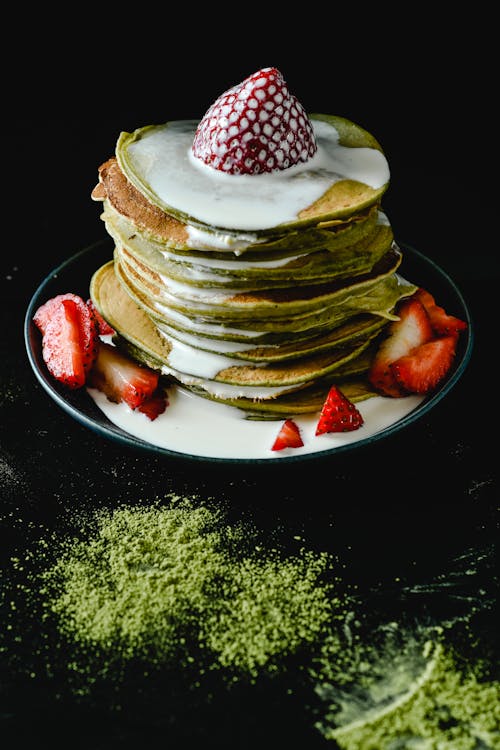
<point>174,589</point>
<point>404,694</point>
<point>171,583</point>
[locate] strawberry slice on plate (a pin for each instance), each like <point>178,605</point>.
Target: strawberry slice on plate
<point>254,127</point>
<point>83,317</point>
<point>62,350</point>
<point>412,329</point>
<point>120,378</point>
<point>426,365</point>
<point>419,348</point>
<point>338,414</point>
<point>155,405</point>
<point>288,437</point>
<point>104,328</point>
<point>442,323</point>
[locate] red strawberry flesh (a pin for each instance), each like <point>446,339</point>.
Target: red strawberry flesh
<point>442,323</point>
<point>288,436</point>
<point>338,414</point>
<point>104,328</point>
<point>61,345</point>
<point>88,325</point>
<point>155,405</point>
<point>412,329</point>
<point>423,369</point>
<point>254,127</point>
<point>120,378</point>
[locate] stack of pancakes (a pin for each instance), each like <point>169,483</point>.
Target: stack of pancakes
<point>264,320</point>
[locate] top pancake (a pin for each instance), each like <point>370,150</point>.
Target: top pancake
<point>164,174</point>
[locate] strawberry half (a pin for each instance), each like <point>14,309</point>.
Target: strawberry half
<point>422,369</point>
<point>256,126</point>
<point>288,436</point>
<point>338,414</point>
<point>61,344</point>
<point>411,330</point>
<point>442,323</point>
<point>120,378</point>
<point>84,317</point>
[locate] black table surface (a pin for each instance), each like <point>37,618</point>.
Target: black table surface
<point>409,507</point>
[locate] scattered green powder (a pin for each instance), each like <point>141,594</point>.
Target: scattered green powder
<point>406,695</point>
<point>169,583</point>
<point>174,584</point>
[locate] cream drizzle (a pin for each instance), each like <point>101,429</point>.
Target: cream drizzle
<point>162,160</point>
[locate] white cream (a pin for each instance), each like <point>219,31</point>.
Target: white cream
<point>178,289</point>
<point>226,390</point>
<point>195,426</point>
<point>229,264</point>
<point>220,346</point>
<point>162,161</point>
<point>194,361</point>
<point>196,274</point>
<point>215,329</point>
<point>200,239</point>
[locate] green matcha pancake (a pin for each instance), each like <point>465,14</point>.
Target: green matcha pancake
<point>254,379</point>
<point>331,255</point>
<point>347,174</point>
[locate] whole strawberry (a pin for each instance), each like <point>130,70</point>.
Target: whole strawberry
<point>254,127</point>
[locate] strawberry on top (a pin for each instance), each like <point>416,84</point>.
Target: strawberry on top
<point>257,126</point>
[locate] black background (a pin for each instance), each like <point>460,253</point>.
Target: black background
<point>408,507</point>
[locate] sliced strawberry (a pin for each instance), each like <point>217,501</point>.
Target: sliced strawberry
<point>412,329</point>
<point>89,333</point>
<point>45,312</point>
<point>442,323</point>
<point>426,365</point>
<point>120,378</point>
<point>288,436</point>
<point>104,327</point>
<point>89,336</point>
<point>255,126</point>
<point>155,405</point>
<point>338,414</point>
<point>61,344</point>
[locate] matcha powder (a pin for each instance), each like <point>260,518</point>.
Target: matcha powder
<point>177,584</point>
<point>449,708</point>
<point>156,608</point>
<point>406,689</point>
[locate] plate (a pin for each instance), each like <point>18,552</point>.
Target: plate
<point>198,429</point>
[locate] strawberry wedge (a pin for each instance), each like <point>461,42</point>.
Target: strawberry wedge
<point>288,436</point>
<point>411,330</point>
<point>104,327</point>
<point>83,318</point>
<point>442,322</point>
<point>62,351</point>
<point>419,348</point>
<point>120,378</point>
<point>338,414</point>
<point>422,369</point>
